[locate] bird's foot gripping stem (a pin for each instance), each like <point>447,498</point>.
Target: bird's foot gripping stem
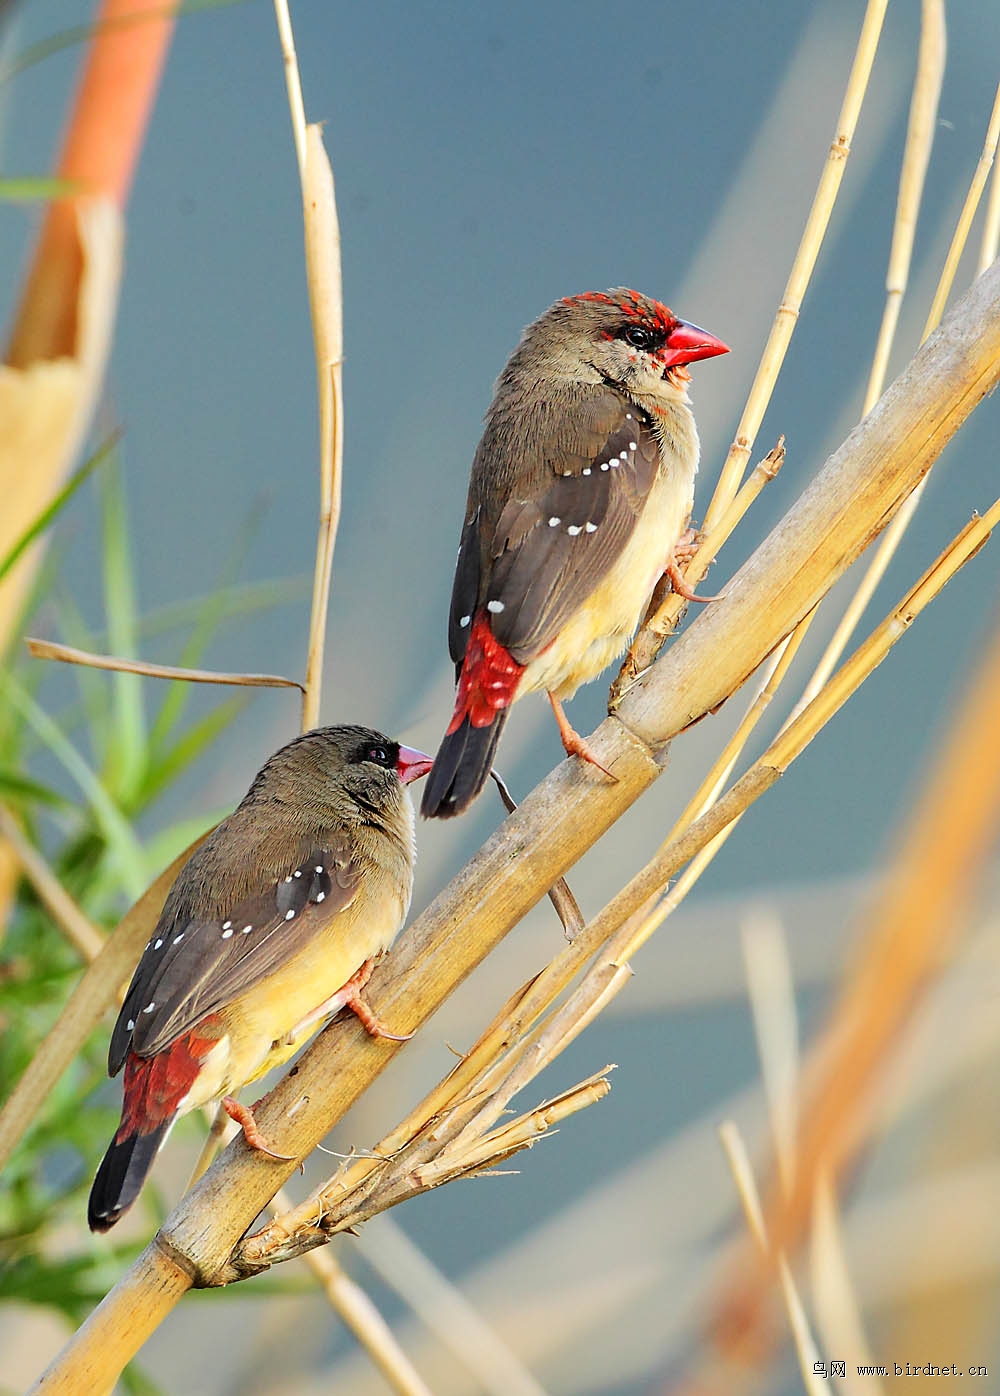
<point>243,1116</point>
<point>573,743</point>
<point>362,1009</point>
<point>683,551</point>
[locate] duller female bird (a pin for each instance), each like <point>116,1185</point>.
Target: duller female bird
<point>581,489</point>
<point>272,925</point>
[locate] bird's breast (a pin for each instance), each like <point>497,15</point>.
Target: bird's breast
<point>600,630</point>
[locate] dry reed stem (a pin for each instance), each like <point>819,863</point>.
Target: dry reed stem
<point>991,226</point>
<point>293,83</point>
<point>325,299</point>
<point>775,1021</point>
<point>361,1317</point>
<point>483,1084</point>
<point>835,1302</point>
<point>447,1314</point>
<point>978,184</point>
<point>844,507</point>
<point>909,932</point>
<point>668,612</point>
<point>735,1150</point>
<point>77,927</point>
<point>49,649</point>
<point>802,267</point>
<point>916,157</point>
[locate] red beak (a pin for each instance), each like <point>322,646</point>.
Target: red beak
<point>686,343</point>
<point>412,764</point>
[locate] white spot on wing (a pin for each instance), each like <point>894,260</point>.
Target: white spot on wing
<point>465,620</point>
<point>591,528</point>
<point>246,930</point>
<point>554,522</point>
<point>226,925</point>
<point>588,470</point>
<point>289,914</point>
<point>573,530</point>
<point>149,1008</point>
<point>604,464</point>
<point>227,934</point>
<point>178,939</point>
<point>320,896</point>
<point>318,867</point>
<point>130,1024</point>
<point>495,606</point>
<point>297,873</point>
<point>157,945</point>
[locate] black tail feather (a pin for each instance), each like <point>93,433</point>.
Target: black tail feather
<point>121,1176</point>
<point>461,768</point>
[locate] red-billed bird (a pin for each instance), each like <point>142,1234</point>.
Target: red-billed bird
<point>272,925</point>
<point>581,488</point>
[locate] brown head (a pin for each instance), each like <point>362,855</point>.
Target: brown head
<point>620,337</point>
<point>344,778</point>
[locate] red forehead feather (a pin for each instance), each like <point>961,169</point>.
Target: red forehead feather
<point>634,307</point>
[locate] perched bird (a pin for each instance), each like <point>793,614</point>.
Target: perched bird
<point>272,925</point>
<point>581,488</point>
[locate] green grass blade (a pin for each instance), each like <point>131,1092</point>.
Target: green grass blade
<point>51,510</point>
<point>127,751</point>
<point>115,828</point>
<point>164,769</point>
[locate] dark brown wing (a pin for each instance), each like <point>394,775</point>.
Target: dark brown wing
<point>192,965</point>
<point>562,527</point>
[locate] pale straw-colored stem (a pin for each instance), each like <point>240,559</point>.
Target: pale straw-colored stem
<point>802,267</point>
<point>293,82</point>
<point>49,649</point>
<point>979,178</point>
<point>75,925</point>
<point>326,300</point>
<point>735,1150</point>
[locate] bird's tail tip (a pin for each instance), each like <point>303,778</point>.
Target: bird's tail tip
<point>461,768</point>
<point>121,1175</point>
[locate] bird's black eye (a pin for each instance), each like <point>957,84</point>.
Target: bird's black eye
<point>380,755</point>
<point>639,337</point>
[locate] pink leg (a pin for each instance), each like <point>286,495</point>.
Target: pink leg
<point>362,1010</point>
<point>683,550</point>
<point>244,1117</point>
<point>573,743</point>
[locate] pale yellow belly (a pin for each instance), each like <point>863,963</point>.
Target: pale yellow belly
<point>262,1022</point>
<point>603,626</point>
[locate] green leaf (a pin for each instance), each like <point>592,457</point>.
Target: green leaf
<point>19,789</point>
<point>127,752</point>
<point>247,598</point>
<point>163,770</point>
<point>115,828</point>
<point>51,510</point>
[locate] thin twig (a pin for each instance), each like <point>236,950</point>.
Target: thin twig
<point>735,1151</point>
<point>560,895</point>
<point>292,81</point>
<point>49,649</point>
<point>802,267</point>
<point>78,928</point>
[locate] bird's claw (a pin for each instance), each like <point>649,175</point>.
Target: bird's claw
<point>244,1117</point>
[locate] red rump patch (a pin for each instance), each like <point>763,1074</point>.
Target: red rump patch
<point>489,678</point>
<point>155,1086</point>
